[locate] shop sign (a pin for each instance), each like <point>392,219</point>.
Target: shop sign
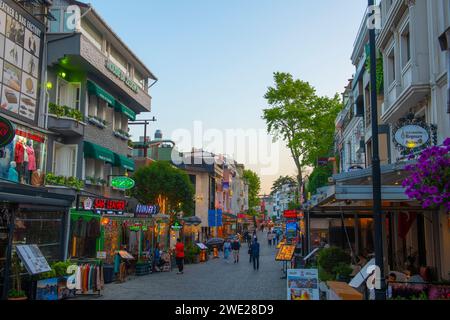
<point>101,255</point>
<point>23,44</point>
<point>412,136</point>
<point>105,206</point>
<point>7,132</point>
<point>123,183</point>
<point>290,214</point>
<point>122,76</point>
<point>286,253</point>
<point>143,211</point>
<point>303,284</point>
<point>176,226</point>
<point>323,162</point>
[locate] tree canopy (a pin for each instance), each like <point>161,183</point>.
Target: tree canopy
<point>304,120</point>
<point>282,181</point>
<point>163,184</point>
<point>254,187</point>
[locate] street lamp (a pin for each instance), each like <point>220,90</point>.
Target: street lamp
<point>380,292</point>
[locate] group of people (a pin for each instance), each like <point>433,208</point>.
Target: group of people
<point>273,237</point>
<point>235,247</point>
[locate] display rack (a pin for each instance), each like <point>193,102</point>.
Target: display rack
<point>96,262</point>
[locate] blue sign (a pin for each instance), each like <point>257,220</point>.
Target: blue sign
<point>143,211</point>
<point>215,218</point>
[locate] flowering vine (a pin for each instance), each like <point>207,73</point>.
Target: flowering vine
<point>429,180</point>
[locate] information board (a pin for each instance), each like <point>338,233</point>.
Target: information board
<point>286,253</point>
<point>303,284</point>
<point>33,259</point>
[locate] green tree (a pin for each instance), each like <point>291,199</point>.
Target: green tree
<point>163,184</point>
<point>319,178</point>
<point>302,119</point>
<point>254,187</point>
<point>281,181</point>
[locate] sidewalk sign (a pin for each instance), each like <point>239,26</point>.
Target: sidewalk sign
<point>33,259</point>
<point>303,284</point>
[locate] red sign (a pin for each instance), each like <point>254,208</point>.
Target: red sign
<point>103,204</point>
<point>290,214</point>
<point>30,136</point>
<point>6,132</point>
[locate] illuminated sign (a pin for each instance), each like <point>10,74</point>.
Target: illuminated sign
<point>143,211</point>
<point>123,183</point>
<point>290,214</point>
<point>7,132</point>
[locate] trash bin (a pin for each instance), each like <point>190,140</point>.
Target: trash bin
<point>108,273</point>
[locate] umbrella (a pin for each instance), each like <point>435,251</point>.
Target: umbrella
<point>215,241</point>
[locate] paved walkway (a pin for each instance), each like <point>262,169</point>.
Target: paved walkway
<point>214,280</point>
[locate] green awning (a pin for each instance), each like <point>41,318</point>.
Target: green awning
<point>94,89</point>
<point>124,162</point>
<point>94,151</point>
<point>119,107</point>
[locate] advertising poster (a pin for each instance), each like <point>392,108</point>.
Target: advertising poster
<point>47,290</point>
<point>303,284</point>
<point>286,253</point>
<point>20,51</point>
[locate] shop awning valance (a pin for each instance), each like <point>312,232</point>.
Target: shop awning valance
<point>124,162</point>
<point>95,89</point>
<point>94,151</point>
<point>119,107</point>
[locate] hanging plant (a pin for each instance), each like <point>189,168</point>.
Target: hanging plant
<point>429,180</point>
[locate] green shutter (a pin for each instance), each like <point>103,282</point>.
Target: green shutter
<point>93,151</point>
<point>94,89</point>
<point>124,162</point>
<point>119,107</point>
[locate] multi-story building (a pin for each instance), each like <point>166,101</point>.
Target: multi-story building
<point>95,86</point>
<point>29,213</point>
<point>282,199</point>
<point>414,94</point>
<point>415,69</point>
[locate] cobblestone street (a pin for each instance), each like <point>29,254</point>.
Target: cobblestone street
<point>215,280</point>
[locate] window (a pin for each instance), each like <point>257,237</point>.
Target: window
<point>391,76</point>
<point>68,94</point>
<point>65,160</point>
<point>95,169</point>
<point>97,107</point>
<point>92,34</point>
<point>406,46</point>
<point>40,228</point>
<point>117,121</point>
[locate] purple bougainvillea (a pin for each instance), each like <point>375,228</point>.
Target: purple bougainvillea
<point>429,180</point>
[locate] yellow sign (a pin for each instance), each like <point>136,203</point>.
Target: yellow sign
<point>282,243</point>
<point>286,253</point>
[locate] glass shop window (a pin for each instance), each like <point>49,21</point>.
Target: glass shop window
<point>23,160</point>
<point>41,228</point>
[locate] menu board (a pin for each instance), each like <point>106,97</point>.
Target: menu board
<point>303,284</point>
<point>21,38</point>
<point>286,253</point>
<point>33,259</point>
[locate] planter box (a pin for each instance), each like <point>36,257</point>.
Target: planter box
<point>96,123</point>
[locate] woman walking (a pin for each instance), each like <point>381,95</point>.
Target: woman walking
<point>226,249</point>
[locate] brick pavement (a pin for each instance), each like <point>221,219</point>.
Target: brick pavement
<point>214,280</point>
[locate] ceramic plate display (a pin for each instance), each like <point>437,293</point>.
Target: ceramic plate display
<point>30,64</point>
<point>10,100</point>
<point>2,22</point>
<point>13,53</point>
<point>15,31</point>
<point>28,107</point>
<point>32,43</point>
<point>29,85</point>
<point>2,45</point>
<point>12,76</point>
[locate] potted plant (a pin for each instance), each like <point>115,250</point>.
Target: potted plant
<point>16,293</point>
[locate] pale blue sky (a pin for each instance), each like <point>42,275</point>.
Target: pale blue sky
<point>215,58</point>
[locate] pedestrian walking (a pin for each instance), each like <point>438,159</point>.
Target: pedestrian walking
<point>255,254</point>
<point>156,258</point>
<point>226,249</point>
<point>236,246</point>
<point>179,255</point>
<point>269,238</point>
